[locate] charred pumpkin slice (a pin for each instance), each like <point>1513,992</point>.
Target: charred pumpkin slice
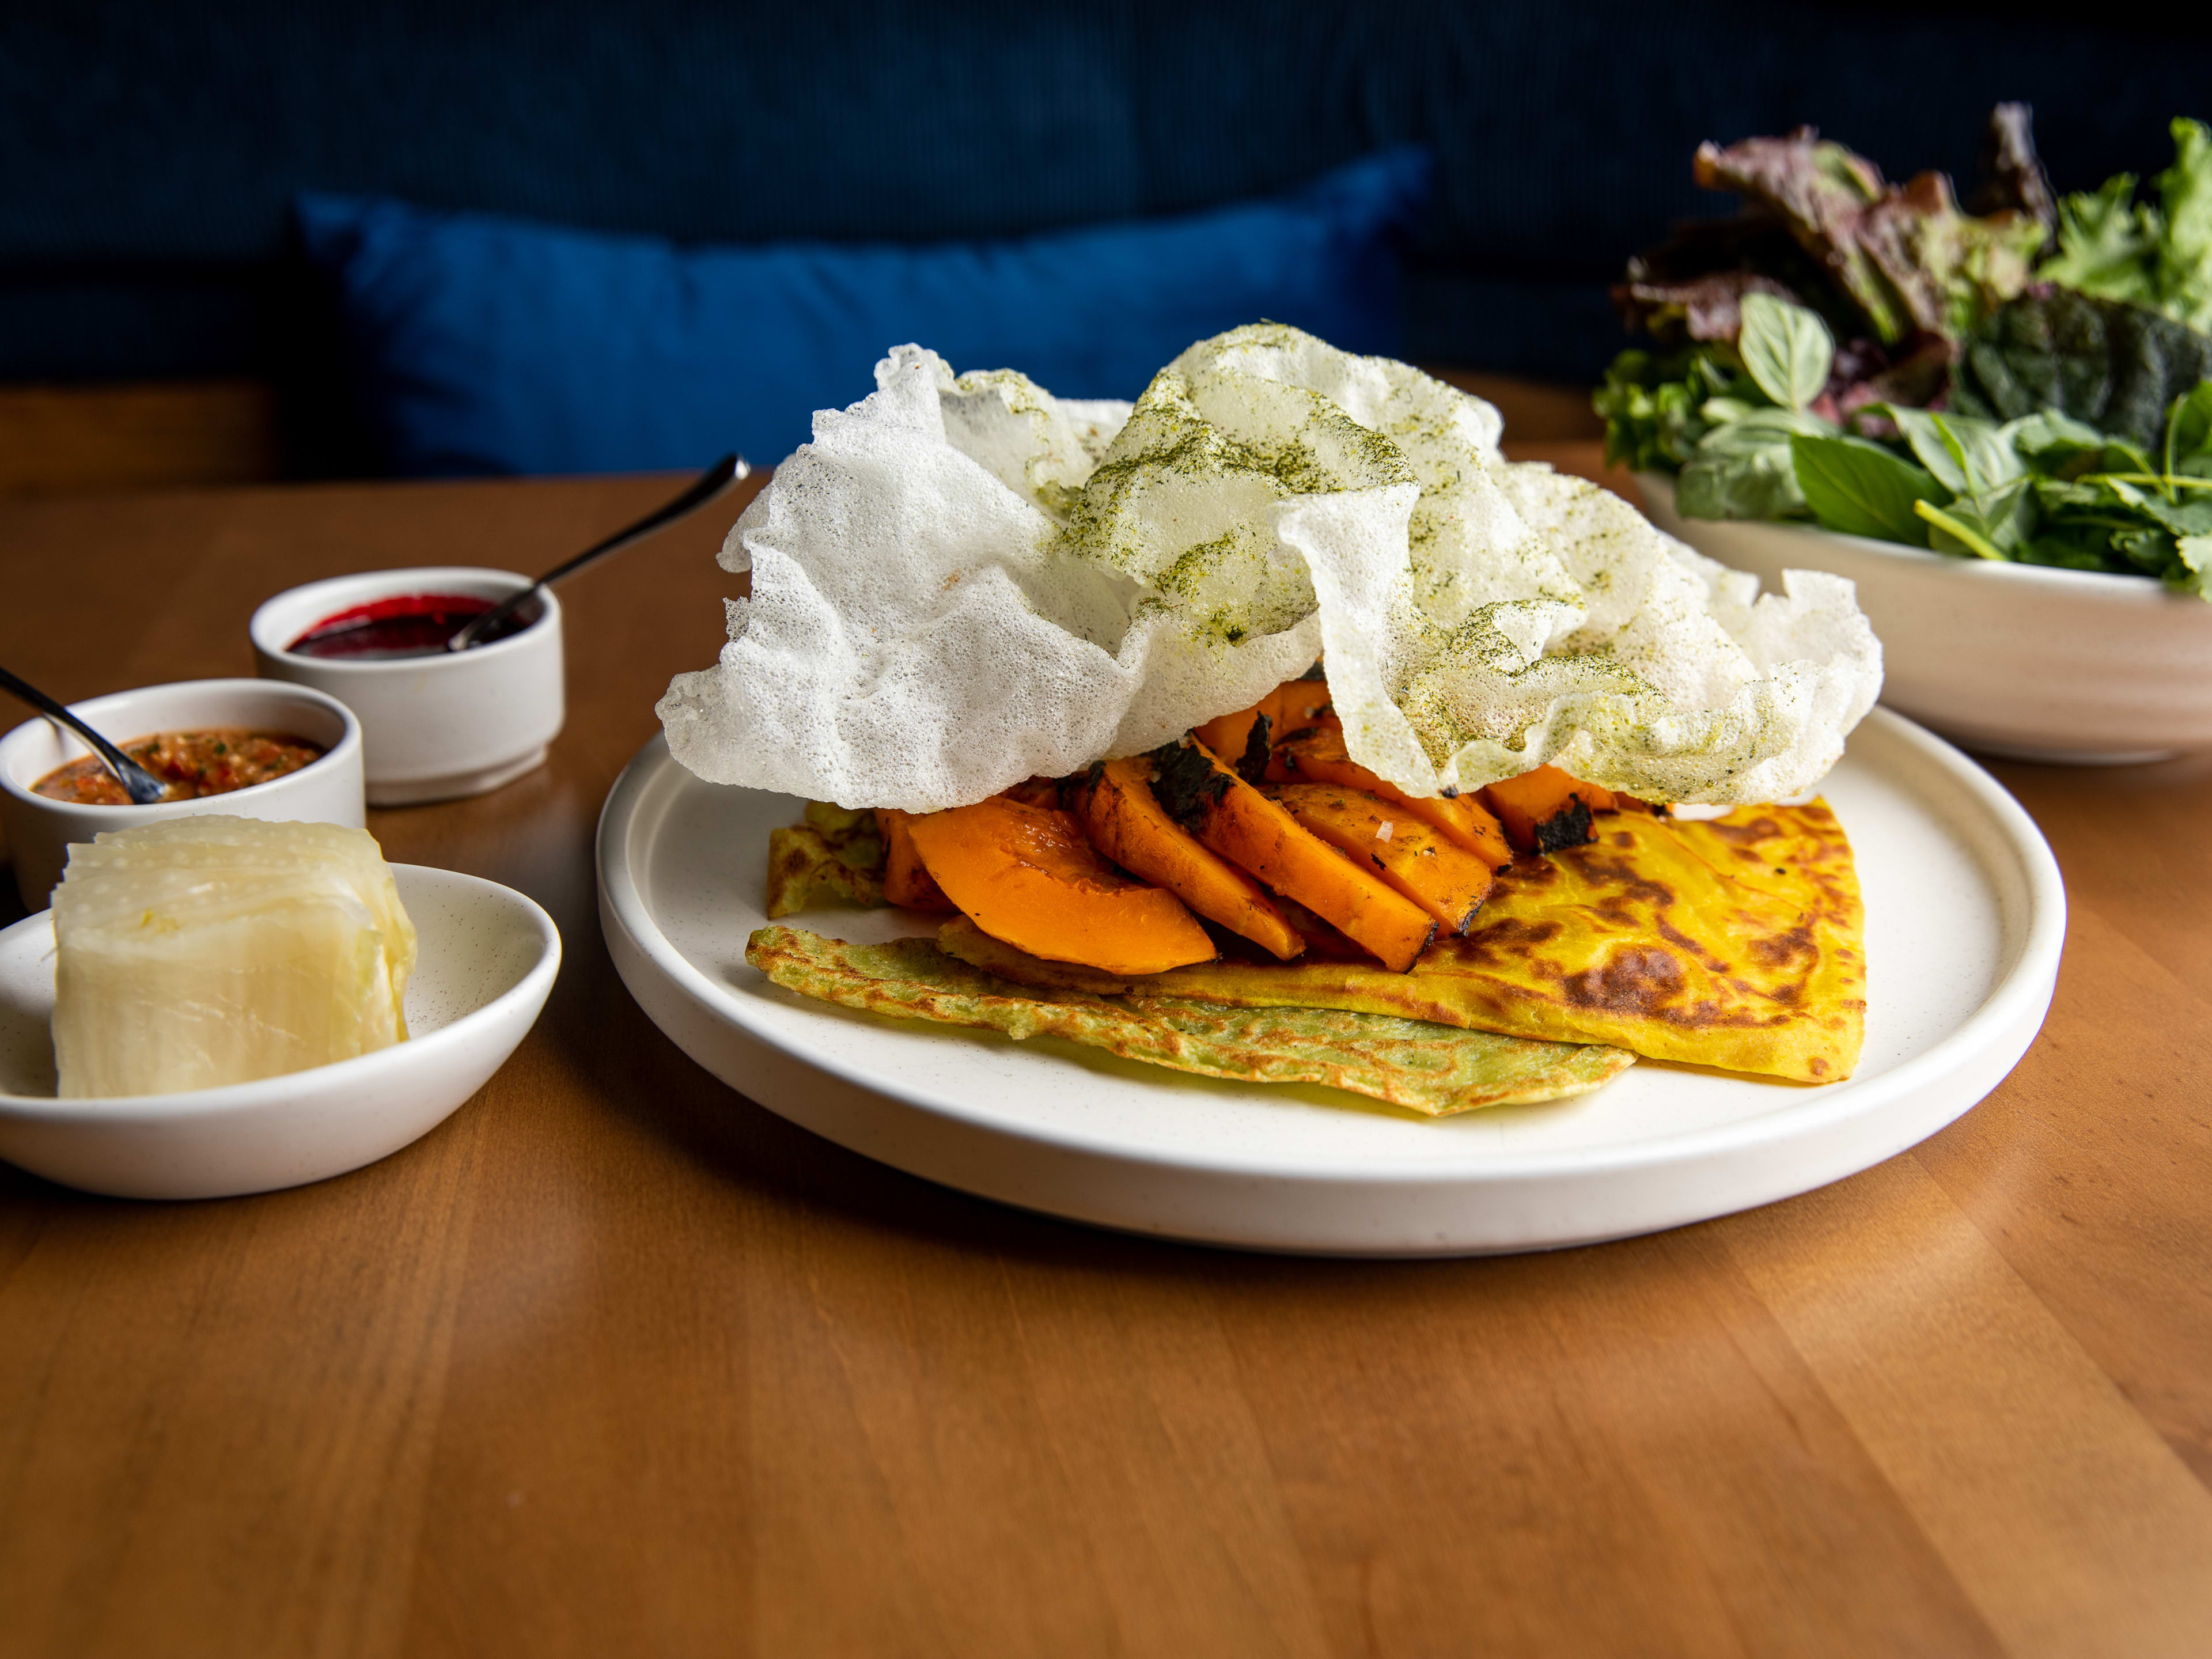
<point>1319,757</point>
<point>1546,809</point>
<point>1240,739</point>
<point>1130,826</point>
<point>1444,879</point>
<point>1259,835</point>
<point>905,881</point>
<point>1025,874</point>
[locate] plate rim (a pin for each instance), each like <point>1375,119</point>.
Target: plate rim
<point>2024,980</point>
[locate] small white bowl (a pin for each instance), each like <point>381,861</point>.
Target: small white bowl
<point>488,959</point>
<point>434,727</point>
<point>2071,665</point>
<point>39,830</point>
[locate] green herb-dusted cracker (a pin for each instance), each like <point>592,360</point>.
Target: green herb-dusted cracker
<point>1435,1070</point>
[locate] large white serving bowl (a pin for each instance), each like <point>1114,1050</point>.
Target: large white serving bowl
<point>488,958</point>
<point>41,829</point>
<point>434,727</point>
<point>2071,665</point>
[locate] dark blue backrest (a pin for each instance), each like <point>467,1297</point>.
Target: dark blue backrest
<point>147,150</point>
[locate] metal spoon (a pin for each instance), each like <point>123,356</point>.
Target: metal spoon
<point>710,483</point>
<point>141,786</point>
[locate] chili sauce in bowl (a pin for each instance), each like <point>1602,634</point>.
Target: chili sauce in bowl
<point>192,764</point>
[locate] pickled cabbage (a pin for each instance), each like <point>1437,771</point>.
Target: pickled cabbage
<point>202,952</point>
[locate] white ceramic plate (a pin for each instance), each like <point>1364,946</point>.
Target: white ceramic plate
<point>487,959</point>
<point>1965,917</point>
<point>2071,666</point>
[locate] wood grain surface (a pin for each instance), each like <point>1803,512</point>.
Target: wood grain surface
<point>617,1361</point>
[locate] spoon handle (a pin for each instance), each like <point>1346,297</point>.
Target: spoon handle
<point>141,786</point>
<point>709,484</point>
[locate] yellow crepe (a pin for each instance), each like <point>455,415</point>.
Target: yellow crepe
<point>1735,944</point>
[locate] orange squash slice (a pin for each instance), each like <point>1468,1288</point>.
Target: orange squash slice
<point>1444,878</point>
<point>1241,825</point>
<point>905,881</point>
<point>1546,810</point>
<point>1319,757</point>
<point>1130,826</point>
<point>1025,874</point>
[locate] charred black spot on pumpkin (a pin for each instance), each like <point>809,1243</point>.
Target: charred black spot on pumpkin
<point>1186,785</point>
<point>1568,827</point>
<point>1252,764</point>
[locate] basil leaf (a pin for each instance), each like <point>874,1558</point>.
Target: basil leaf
<point>1747,483</point>
<point>1786,350</point>
<point>1762,428</point>
<point>1965,453</point>
<point>1863,489</point>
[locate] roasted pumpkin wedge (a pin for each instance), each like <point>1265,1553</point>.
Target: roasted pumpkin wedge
<point>1444,878</point>
<point>1319,757</point>
<point>1293,705</point>
<point>905,881</point>
<point>1546,810</point>
<point>1241,825</point>
<point>1025,874</point>
<point>1116,807</point>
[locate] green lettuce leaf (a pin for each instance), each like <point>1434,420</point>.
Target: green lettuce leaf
<point>2115,365</point>
<point>2112,247</point>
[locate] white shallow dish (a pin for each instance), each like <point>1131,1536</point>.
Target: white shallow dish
<point>488,959</point>
<point>1966,919</point>
<point>2068,665</point>
<point>40,830</point>
<point>434,727</point>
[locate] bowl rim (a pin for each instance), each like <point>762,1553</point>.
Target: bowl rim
<point>2109,584</point>
<point>111,1110</point>
<point>260,628</point>
<point>349,743</point>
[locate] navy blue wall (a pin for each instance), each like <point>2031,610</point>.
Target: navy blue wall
<point>146,151</point>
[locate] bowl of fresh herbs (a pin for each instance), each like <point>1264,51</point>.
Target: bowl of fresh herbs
<point>1998,421</point>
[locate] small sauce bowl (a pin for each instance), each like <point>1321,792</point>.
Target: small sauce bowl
<point>326,790</point>
<point>439,725</point>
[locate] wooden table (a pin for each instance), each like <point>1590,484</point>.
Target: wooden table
<point>616,1361</point>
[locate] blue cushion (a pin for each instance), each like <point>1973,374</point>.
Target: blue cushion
<point>487,345</point>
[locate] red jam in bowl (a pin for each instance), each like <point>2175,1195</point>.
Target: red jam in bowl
<point>406,625</point>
